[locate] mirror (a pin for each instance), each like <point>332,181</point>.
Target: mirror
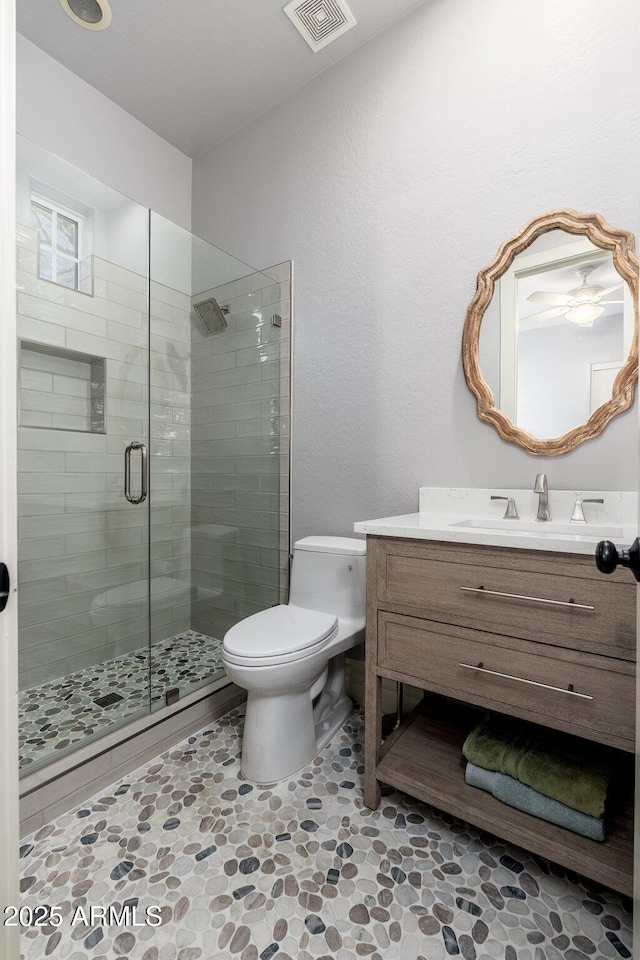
<point>550,339</point>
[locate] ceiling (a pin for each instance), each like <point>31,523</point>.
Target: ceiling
<point>194,71</point>
<point>564,278</point>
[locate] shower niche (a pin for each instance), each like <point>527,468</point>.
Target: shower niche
<point>60,389</point>
<point>123,606</point>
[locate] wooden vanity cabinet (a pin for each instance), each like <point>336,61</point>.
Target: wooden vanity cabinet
<point>537,635</point>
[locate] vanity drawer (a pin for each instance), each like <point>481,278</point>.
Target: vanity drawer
<point>552,599</point>
<point>584,694</point>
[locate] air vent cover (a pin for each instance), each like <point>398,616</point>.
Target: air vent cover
<point>320,21</point>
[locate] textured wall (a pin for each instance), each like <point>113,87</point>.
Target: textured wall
<point>405,167</point>
<point>90,131</point>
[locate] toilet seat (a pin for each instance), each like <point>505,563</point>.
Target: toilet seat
<point>278,635</point>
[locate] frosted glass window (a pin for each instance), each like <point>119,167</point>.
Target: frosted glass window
<point>60,234</point>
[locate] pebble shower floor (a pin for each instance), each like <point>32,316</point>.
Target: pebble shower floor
<point>63,712</point>
<point>299,870</point>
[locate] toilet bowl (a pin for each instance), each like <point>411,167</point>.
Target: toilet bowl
<point>290,658</point>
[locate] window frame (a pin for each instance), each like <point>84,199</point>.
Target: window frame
<point>56,210</point>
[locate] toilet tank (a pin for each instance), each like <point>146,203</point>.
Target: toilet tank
<point>329,574</point>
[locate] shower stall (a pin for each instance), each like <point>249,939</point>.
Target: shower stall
<point>154,412</point>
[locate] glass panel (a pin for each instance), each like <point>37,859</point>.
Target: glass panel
<point>99,576</point>
<point>41,221</point>
<point>67,236</point>
<point>215,453</point>
<point>83,548</point>
<point>67,272</point>
<point>45,264</point>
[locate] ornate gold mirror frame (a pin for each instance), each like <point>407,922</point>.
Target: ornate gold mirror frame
<point>621,244</point>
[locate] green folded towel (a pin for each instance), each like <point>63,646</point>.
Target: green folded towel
<point>565,768</point>
<point>518,795</point>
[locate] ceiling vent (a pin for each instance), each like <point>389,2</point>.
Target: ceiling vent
<point>320,21</point>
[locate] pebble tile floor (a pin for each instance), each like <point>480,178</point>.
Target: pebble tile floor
<point>58,714</point>
<point>299,870</point>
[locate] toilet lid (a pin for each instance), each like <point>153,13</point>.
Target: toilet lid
<point>278,631</point>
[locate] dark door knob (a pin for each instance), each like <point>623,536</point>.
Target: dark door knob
<point>5,586</point>
<point>608,557</point>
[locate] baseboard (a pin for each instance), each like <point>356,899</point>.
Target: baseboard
<point>50,793</point>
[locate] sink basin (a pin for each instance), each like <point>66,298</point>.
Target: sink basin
<point>550,528</point>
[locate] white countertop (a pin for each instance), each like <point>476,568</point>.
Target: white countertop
<point>469,516</point>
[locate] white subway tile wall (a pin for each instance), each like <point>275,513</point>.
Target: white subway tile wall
<point>84,551</point>
<point>60,389</point>
<point>170,461</point>
<point>240,452</point>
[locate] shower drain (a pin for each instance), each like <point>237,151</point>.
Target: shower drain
<point>108,699</point>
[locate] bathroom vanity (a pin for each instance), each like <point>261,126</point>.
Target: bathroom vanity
<point>514,619</point>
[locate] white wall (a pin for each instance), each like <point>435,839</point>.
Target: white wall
<point>391,180</point>
<point>566,352</point>
<point>67,116</point>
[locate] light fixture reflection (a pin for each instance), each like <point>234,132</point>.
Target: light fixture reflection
<point>583,314</point>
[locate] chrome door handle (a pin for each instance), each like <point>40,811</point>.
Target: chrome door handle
<point>136,445</point>
<point>518,596</point>
<point>534,683</point>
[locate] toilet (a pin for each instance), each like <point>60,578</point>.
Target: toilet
<point>290,658</point>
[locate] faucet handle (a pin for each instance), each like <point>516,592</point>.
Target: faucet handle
<point>541,486</point>
<point>578,513</point>
<point>511,513</point>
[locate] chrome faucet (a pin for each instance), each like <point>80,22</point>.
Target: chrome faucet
<point>542,489</point>
<point>578,513</point>
<point>511,513</point>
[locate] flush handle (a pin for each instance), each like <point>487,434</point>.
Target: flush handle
<point>5,586</point>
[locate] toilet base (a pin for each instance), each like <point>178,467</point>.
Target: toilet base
<point>326,731</point>
<point>332,707</point>
<point>283,733</point>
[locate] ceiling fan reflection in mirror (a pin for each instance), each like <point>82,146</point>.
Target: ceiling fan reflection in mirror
<point>582,305</point>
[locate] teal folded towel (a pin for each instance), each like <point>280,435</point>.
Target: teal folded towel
<point>516,794</point>
<point>562,767</point>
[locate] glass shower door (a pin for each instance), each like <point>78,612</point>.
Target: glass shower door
<point>218,446</point>
<point>83,431</point>
<point>153,443</point>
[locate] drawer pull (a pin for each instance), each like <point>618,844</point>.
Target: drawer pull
<point>517,596</point>
<point>534,683</point>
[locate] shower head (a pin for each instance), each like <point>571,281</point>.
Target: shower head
<point>212,315</point>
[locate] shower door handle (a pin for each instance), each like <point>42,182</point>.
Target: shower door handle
<point>136,445</point>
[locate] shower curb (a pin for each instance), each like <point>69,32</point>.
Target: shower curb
<point>67,783</point>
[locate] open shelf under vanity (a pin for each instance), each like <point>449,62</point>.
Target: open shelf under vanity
<point>423,758</point>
